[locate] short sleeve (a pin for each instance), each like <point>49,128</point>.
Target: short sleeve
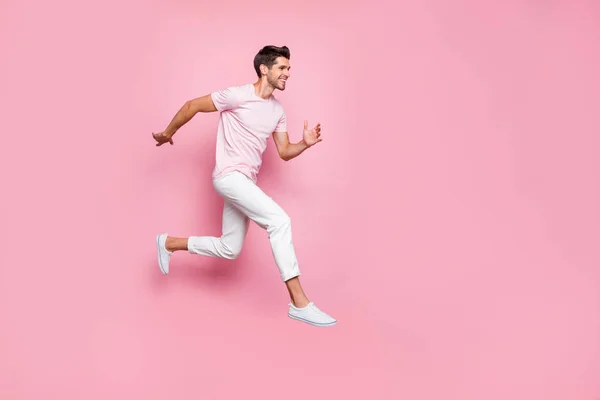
<point>282,124</point>
<point>226,99</point>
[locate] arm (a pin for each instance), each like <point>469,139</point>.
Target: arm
<point>187,111</point>
<point>288,150</point>
<point>221,100</point>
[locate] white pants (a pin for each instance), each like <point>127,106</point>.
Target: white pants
<point>245,201</point>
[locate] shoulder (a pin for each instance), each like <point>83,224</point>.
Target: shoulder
<point>277,104</point>
<point>238,90</point>
<point>278,109</point>
<point>230,97</point>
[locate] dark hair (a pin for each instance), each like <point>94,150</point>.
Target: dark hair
<point>267,56</point>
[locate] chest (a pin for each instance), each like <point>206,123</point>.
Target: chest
<point>260,119</point>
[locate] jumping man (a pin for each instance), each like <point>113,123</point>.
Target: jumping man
<point>249,115</point>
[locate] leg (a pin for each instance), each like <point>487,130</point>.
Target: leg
<point>252,202</point>
<point>297,295</point>
<point>246,196</point>
<point>228,245</point>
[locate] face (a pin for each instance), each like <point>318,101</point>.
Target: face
<point>279,73</point>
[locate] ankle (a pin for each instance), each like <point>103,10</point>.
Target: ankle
<point>297,296</point>
<point>171,245</point>
<point>300,303</point>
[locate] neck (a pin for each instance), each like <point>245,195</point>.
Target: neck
<point>263,89</point>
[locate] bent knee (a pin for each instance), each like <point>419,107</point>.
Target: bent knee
<point>282,221</point>
<point>231,252</point>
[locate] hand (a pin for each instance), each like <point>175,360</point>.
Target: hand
<point>313,136</point>
<point>162,138</point>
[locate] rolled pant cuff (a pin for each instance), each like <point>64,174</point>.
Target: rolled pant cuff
<point>289,276</point>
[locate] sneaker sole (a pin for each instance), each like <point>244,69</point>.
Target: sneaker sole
<point>311,322</point>
<point>158,249</point>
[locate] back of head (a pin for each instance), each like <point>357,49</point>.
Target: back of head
<point>267,56</point>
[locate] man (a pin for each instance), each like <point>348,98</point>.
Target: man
<point>249,115</point>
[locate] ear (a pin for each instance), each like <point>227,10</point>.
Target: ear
<point>263,69</point>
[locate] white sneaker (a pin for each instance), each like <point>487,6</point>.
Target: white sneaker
<point>311,315</point>
<point>163,255</point>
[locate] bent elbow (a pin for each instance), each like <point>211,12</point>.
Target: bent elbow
<point>282,151</point>
<point>186,108</point>
<point>284,156</point>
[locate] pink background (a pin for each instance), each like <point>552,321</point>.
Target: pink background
<point>449,219</point>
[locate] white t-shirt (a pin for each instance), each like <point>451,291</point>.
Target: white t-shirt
<point>245,124</point>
